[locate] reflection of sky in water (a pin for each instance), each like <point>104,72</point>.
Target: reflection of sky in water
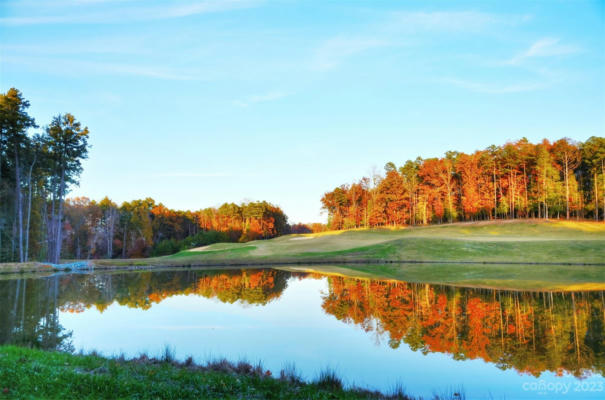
<point>295,329</point>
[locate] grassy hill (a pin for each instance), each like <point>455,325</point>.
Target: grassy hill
<point>499,242</point>
<point>378,253</point>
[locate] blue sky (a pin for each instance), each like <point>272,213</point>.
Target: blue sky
<point>195,103</point>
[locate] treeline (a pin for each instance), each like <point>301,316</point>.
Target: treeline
<point>35,175</point>
<point>314,227</point>
<point>141,228</point>
<point>37,223</point>
<point>564,179</point>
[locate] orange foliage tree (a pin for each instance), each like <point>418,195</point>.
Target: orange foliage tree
<point>516,180</point>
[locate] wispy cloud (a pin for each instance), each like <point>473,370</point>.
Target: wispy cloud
<point>402,28</point>
<point>450,20</point>
<point>261,98</point>
<point>546,47</point>
<point>335,50</point>
<point>120,45</point>
<point>180,174</point>
<point>131,14</point>
<point>491,88</point>
<point>541,79</point>
<point>97,1</point>
<point>77,67</point>
<point>141,70</point>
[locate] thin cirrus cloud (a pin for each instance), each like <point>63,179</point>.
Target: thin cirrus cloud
<point>140,70</point>
<point>202,175</point>
<point>260,98</point>
<point>546,47</point>
<point>130,14</point>
<point>180,174</point>
<point>335,50</point>
<point>72,68</point>
<point>398,28</point>
<point>490,88</point>
<point>440,21</point>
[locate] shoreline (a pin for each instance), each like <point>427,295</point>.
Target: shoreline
<point>357,271</point>
<point>140,264</point>
<point>516,255</point>
<point>26,372</point>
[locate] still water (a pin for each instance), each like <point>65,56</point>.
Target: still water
<point>375,334</point>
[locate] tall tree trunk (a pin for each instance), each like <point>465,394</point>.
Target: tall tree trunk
<point>18,206</point>
<point>78,252</point>
<point>44,221</point>
<point>545,196</point>
<point>109,238</point>
<point>111,224</point>
<point>566,187</point>
<point>411,210</point>
<point>449,202</point>
<point>58,243</point>
<point>603,185</point>
<point>29,207</point>
<point>510,191</point>
<point>495,193</point>
<point>525,183</point>
<point>51,227</point>
<point>13,242</point>
<point>513,177</point>
<point>596,196</point>
<point>124,242</point>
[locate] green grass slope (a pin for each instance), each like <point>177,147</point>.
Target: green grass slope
<point>500,242</point>
<point>369,251</point>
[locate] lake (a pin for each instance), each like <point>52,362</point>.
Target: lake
<point>374,333</point>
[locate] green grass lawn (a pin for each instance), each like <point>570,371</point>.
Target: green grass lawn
<point>36,374</point>
<point>519,242</point>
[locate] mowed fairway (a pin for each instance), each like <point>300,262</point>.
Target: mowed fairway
<point>501,242</point>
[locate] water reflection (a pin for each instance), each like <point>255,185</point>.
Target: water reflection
<point>532,332</point>
<point>29,314</point>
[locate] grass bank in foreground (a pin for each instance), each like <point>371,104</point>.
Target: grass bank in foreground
<point>28,373</point>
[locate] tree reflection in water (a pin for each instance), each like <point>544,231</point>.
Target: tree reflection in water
<point>29,314</point>
<point>531,332</point>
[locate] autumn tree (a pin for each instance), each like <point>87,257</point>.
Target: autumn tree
<point>567,156</point>
<point>468,168</point>
<point>515,180</point>
<point>391,197</point>
<point>593,164</point>
<point>336,203</point>
<point>437,176</point>
<point>109,220</point>
<point>411,182</point>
